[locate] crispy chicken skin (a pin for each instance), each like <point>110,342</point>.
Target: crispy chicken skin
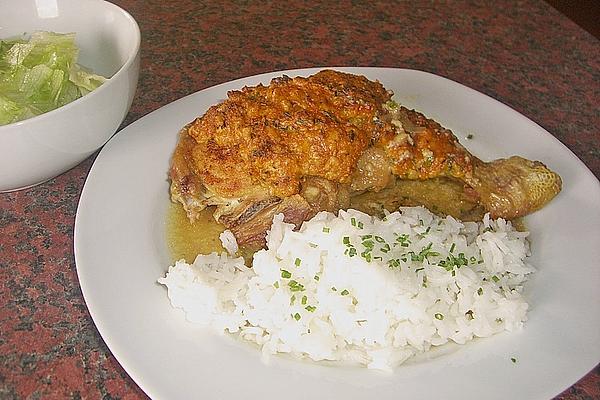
<point>299,146</point>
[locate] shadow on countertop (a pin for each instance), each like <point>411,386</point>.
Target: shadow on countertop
<point>585,13</point>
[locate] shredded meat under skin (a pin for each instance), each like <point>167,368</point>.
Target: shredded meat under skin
<point>302,145</point>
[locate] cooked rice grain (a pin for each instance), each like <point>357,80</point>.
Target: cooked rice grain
<point>356,288</point>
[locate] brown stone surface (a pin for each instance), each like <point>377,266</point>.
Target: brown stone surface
<point>523,53</point>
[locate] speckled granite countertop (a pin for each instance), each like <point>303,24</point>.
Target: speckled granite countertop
<point>523,53</point>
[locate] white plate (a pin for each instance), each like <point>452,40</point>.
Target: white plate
<point>120,251</point>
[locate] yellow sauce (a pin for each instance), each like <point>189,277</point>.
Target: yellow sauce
<point>519,224</point>
<point>186,240</point>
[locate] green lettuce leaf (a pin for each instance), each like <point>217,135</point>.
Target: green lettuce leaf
<point>41,74</point>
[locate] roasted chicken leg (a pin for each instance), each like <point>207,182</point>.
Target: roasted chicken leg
<point>299,146</point>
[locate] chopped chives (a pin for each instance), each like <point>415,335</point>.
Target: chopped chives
<point>344,292</point>
<point>297,262</point>
<point>286,274</point>
<point>439,316</point>
<point>295,286</point>
<point>326,229</point>
<point>297,317</point>
<point>403,240</point>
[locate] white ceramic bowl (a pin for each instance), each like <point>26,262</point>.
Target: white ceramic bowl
<point>40,148</point>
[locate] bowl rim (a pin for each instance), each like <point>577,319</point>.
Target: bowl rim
<point>131,57</point>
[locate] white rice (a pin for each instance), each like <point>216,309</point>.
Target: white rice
<point>320,293</point>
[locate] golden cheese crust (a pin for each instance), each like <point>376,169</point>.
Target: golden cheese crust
<point>267,138</point>
<point>423,149</point>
